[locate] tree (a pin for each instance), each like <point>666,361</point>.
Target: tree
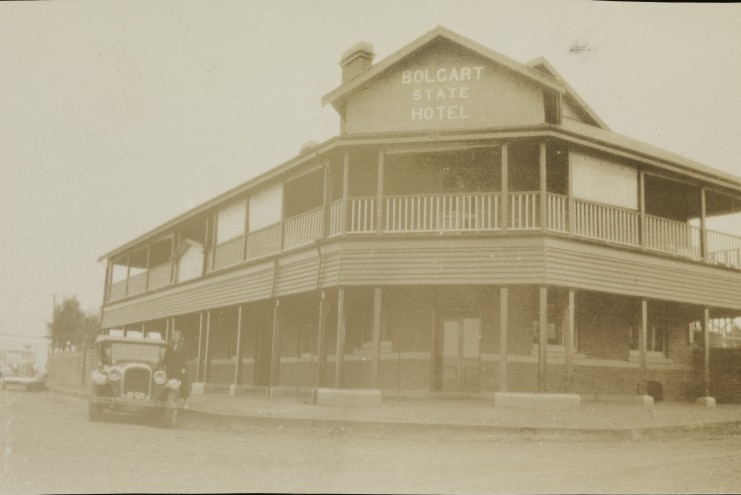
<point>72,326</point>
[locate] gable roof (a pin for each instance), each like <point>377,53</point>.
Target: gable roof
<point>546,66</point>
<point>339,94</point>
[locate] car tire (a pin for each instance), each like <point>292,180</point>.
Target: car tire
<point>95,411</point>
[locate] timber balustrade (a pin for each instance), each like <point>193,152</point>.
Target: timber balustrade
<point>302,229</point>
<point>670,236</point>
<point>441,213</point>
<point>469,212</point>
<point>606,223</point>
<point>723,249</point>
<point>524,211</point>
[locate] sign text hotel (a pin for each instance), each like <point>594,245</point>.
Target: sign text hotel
<point>438,94</point>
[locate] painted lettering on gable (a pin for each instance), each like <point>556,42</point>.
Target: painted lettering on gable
<point>437,93</point>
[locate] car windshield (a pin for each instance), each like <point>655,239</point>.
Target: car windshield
<point>19,357</point>
<point>120,352</point>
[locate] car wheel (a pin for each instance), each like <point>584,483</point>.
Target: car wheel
<point>95,411</point>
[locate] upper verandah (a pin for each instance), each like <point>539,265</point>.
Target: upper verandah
<point>579,124</point>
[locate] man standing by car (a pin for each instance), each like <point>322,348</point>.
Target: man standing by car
<point>175,362</point>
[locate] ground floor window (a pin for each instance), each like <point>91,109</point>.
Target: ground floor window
<point>557,319</point>
<point>655,337</point>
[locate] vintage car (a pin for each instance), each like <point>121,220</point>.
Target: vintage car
<point>129,376</point>
<point>19,367</point>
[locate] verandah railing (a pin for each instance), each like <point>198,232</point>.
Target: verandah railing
<point>670,236</point>
<point>524,211</point>
<point>606,223</point>
<point>303,228</point>
<point>441,212</point>
<point>459,213</point>
<point>723,249</point>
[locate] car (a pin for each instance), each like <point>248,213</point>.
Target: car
<point>130,376</point>
<point>19,367</point>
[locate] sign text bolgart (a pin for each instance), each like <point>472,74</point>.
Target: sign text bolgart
<point>438,91</point>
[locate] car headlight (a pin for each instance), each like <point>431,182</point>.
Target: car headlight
<point>114,374</point>
<point>160,377</point>
<point>99,378</point>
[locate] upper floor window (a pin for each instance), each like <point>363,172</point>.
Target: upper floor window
<point>230,221</point>
<point>603,180</point>
<point>266,207</point>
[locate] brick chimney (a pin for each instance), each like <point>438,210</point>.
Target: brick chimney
<point>356,59</point>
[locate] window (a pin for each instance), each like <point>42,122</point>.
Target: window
<point>604,181</point>
<point>557,319</point>
<point>655,337</point>
<point>266,207</point>
<point>230,221</point>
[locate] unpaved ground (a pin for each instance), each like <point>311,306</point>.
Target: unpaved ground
<point>49,446</point>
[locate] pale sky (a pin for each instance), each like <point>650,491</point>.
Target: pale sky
<point>117,116</point>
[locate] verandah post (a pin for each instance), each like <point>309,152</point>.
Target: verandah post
<point>238,356</point>
<point>379,194</point>
<point>706,351</point>
<point>503,324</point>
<point>207,352</point>
<point>642,347</point>
<point>505,187</point>
<point>345,187</point>
<point>275,349</point>
<point>200,347</point>
<point>569,342</point>
<point>543,186</point>
<point>340,352</point>
<point>543,340</point>
<point>321,355</point>
<point>377,316</point>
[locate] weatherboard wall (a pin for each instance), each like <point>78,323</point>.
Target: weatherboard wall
<point>484,260</point>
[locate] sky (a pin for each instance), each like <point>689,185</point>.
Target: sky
<point>118,116</point>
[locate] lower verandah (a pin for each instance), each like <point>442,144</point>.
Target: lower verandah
<point>447,339</point>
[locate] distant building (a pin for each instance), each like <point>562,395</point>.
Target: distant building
<point>474,228</point>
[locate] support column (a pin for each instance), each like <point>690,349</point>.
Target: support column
<point>107,287</point>
<point>503,330</point>
<point>543,340</point>
<point>199,366</point>
<point>377,319</point>
<point>703,226</point>
<point>569,342</point>
<point>238,356</point>
<point>321,353</point>
<point>128,274</point>
<point>543,187</point>
<point>706,400</point>
<point>642,348</point>
<point>326,202</point>
<point>340,354</point>
<point>275,349</point>
<point>379,194</point>
<point>207,353</point>
<point>570,196</point>
<point>345,187</point>
<point>146,282</point>
<point>642,208</point>
<point>505,187</point>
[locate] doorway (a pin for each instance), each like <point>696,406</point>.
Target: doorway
<point>458,367</point>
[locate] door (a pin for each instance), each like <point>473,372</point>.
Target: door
<point>458,355</point>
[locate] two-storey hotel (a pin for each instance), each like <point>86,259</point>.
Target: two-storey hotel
<point>474,228</point>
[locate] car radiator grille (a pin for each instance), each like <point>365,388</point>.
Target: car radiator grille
<point>136,381</point>
<point>26,369</point>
